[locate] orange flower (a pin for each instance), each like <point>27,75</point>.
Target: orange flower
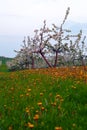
<point>36,117</point>
<point>30,125</point>
<point>73,87</point>
<point>37,111</point>
<point>58,128</point>
<point>59,107</point>
<point>27,110</point>
<point>50,94</point>
<point>12,88</point>
<point>39,103</point>
<point>42,108</point>
<point>54,104</point>
<point>57,96</point>
<point>29,90</point>
<point>10,128</point>
<point>27,94</point>
<point>21,95</point>
<point>61,100</point>
<point>41,94</point>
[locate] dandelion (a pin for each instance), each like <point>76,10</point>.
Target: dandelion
<point>36,117</point>
<point>29,90</point>
<point>59,107</point>
<point>81,72</point>
<point>10,128</point>
<point>12,88</point>
<point>42,123</point>
<point>37,111</point>
<point>27,94</point>
<point>41,94</point>
<point>5,106</point>
<point>73,87</point>
<point>27,110</point>
<point>30,125</point>
<point>39,103</point>
<point>21,95</point>
<point>50,94</point>
<point>73,124</point>
<point>58,128</point>
<point>57,96</point>
<point>42,108</point>
<point>54,104</point>
<point>61,100</point>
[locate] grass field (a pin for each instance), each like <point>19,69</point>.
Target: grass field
<point>44,99</point>
<point>3,68</point>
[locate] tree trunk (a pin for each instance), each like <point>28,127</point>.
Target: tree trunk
<point>83,64</point>
<point>45,59</point>
<point>55,64</point>
<point>32,63</point>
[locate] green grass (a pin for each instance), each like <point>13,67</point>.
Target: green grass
<point>3,68</point>
<point>64,102</point>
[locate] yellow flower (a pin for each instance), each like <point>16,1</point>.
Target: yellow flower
<point>39,103</point>
<point>73,124</point>
<point>73,87</point>
<point>5,106</point>
<point>21,95</point>
<point>10,128</point>
<point>54,104</point>
<point>36,117</point>
<point>41,94</point>
<point>12,88</point>
<point>42,108</point>
<point>57,96</point>
<point>37,111</point>
<point>58,128</point>
<point>61,100</point>
<point>27,111</point>
<point>29,90</point>
<point>27,94</point>
<point>50,94</point>
<point>59,107</point>
<point>30,125</point>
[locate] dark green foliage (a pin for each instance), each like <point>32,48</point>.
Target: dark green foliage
<point>5,59</point>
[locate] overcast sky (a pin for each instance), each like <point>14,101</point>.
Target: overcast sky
<point>19,18</point>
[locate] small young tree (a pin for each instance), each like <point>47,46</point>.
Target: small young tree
<point>57,43</point>
<point>78,50</point>
<point>40,40</point>
<point>26,53</point>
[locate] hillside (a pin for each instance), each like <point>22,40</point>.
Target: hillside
<point>3,66</point>
<point>4,59</point>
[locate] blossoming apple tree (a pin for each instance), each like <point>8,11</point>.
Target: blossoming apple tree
<point>51,45</point>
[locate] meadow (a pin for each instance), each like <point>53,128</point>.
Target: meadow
<point>44,99</point>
